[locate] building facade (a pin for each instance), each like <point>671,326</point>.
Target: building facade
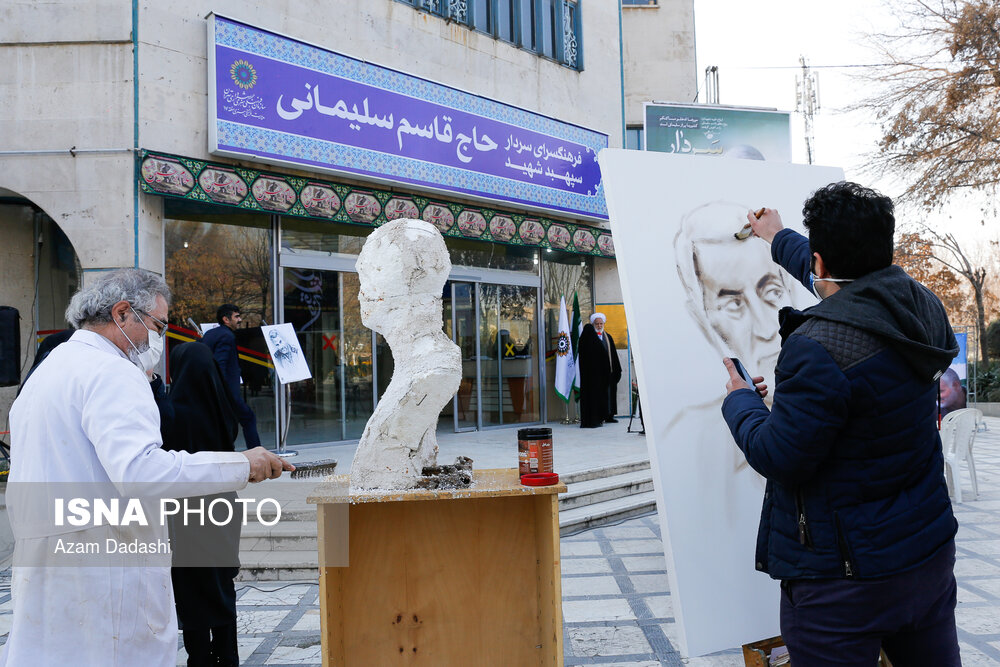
<point>139,134</point>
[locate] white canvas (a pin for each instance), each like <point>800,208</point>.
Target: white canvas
<point>694,294</point>
<point>286,353</point>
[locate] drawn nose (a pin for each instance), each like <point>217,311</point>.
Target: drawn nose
<point>765,320</point>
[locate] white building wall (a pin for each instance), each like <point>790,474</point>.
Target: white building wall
<point>17,271</point>
<point>659,55</point>
<point>66,84</point>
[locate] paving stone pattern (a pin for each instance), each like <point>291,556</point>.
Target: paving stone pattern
<point>617,608</point>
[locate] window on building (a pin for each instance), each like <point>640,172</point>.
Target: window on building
<point>547,20</point>
<point>506,21</point>
<point>640,3</point>
<point>550,28</point>
<point>634,138</point>
<point>482,18</point>
<point>526,13</point>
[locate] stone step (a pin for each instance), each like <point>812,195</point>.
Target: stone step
<point>279,566</point>
<point>283,536</point>
<point>610,471</point>
<point>598,490</point>
<point>606,512</point>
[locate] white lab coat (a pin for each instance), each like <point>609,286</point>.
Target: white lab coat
<point>87,415</point>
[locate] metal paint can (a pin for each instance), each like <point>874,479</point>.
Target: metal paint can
<point>534,450</point>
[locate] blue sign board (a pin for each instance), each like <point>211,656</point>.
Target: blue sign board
<point>961,365</point>
<point>279,100</point>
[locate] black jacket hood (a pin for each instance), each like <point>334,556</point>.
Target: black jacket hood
<point>892,305</point>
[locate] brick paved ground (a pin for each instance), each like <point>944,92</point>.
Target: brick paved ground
<point>616,602</point>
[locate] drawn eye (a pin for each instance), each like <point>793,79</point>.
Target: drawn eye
<point>732,305</point>
<point>773,293</point>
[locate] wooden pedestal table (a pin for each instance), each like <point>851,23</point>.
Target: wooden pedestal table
<point>462,577</point>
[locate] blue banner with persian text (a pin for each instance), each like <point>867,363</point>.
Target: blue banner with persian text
<point>279,100</point>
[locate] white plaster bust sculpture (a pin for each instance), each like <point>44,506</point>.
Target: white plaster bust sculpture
<point>402,269</point>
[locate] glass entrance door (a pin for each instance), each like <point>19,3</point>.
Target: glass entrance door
<point>495,327</point>
<point>323,308</point>
<point>460,323</point>
<point>311,304</point>
<point>508,333</point>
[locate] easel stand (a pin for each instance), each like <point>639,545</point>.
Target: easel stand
<point>636,406</point>
<point>286,393</point>
<point>440,578</point>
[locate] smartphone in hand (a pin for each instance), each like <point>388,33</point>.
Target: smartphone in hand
<point>744,373</point>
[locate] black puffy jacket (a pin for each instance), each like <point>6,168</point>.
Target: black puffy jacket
<point>850,448</point>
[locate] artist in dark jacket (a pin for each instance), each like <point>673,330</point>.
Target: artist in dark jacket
<point>600,372</point>
<point>203,419</point>
<point>856,523</point>
<point>222,342</point>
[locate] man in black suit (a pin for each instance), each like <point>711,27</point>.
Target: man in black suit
<point>222,341</point>
<point>600,372</point>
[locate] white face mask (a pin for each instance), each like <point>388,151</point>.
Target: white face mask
<point>150,357</point>
<point>813,280</point>
<point>147,357</point>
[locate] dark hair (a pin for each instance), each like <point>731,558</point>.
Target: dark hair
<point>226,310</point>
<point>851,227</point>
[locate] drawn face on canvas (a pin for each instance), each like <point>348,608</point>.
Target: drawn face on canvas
<point>742,292</point>
<point>734,290</point>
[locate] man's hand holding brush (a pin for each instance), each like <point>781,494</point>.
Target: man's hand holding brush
<point>765,223</point>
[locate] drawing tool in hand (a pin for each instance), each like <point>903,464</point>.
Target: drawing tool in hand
<point>747,230</point>
<point>313,469</point>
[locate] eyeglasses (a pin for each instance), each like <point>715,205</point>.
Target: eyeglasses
<point>161,327</point>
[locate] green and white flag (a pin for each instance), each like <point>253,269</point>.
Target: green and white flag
<point>565,362</point>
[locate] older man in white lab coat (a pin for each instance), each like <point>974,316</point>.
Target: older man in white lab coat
<point>87,415</point>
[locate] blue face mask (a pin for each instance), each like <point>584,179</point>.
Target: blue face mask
<point>813,279</point>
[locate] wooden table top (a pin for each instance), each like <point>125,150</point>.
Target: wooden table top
<point>485,484</point>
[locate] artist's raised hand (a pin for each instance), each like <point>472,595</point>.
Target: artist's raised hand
<point>767,225</point>
<point>265,465</point>
<point>736,382</point>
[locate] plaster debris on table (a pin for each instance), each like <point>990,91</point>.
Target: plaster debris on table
<point>456,476</point>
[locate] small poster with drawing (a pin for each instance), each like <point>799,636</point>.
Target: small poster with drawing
<point>289,361</point>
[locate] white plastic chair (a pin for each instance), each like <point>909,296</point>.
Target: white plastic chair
<point>958,431</point>
<point>969,461</point>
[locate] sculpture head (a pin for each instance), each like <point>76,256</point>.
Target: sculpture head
<point>734,290</point>
<point>402,269</point>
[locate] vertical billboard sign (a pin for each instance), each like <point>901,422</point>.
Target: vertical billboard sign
<point>278,100</point>
<point>755,134</point>
<point>954,384</point>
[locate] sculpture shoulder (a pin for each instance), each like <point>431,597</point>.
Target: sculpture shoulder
<point>437,345</point>
<point>437,357</point>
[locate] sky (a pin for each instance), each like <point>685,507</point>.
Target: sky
<point>756,47</point>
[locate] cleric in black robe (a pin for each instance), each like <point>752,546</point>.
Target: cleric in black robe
<point>204,419</point>
<point>600,372</point>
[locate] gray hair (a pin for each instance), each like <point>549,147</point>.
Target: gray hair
<point>92,304</point>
